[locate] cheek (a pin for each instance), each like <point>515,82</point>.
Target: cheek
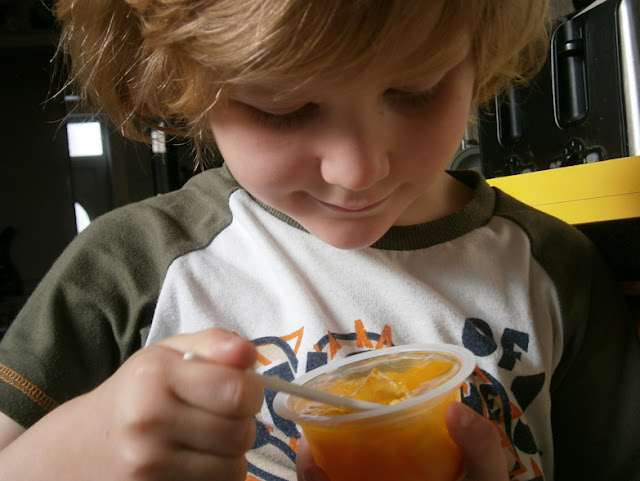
<point>260,161</point>
<point>455,105</point>
<point>437,134</point>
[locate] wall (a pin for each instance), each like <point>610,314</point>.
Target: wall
<point>35,193</point>
<point>36,197</point>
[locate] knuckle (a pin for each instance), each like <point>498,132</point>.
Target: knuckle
<point>140,460</point>
<point>146,372</point>
<point>146,407</point>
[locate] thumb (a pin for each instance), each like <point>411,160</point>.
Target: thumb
<point>215,345</point>
<point>480,443</point>
<point>306,467</point>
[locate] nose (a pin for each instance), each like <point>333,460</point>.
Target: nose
<point>355,156</point>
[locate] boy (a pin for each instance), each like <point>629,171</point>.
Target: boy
<point>331,229</point>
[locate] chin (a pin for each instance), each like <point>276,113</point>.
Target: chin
<point>349,239</point>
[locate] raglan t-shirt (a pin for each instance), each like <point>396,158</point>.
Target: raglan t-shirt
<point>556,357</point>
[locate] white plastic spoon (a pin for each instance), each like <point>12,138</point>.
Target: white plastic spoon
<point>276,384</point>
<point>280,385</point>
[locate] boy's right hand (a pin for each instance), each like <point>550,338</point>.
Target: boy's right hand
<point>158,417</point>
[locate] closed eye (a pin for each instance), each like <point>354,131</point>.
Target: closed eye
<point>407,98</point>
<point>286,120</point>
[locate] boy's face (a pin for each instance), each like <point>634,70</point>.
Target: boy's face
<point>350,158</point>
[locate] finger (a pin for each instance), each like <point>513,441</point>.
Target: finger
<point>186,427</point>
<point>216,345</point>
<point>203,466</point>
<point>172,402</point>
<point>216,469</point>
<point>306,468</point>
<point>185,465</point>
<point>480,443</point>
<point>215,388</point>
<point>217,435</point>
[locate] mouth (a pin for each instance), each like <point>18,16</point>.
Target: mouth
<point>355,209</point>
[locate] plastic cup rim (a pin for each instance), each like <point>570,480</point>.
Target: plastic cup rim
<point>467,365</point>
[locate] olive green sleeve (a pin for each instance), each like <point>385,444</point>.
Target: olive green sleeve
<point>595,389</point>
<point>93,308</point>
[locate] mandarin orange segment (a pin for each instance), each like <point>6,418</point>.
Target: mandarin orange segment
<point>380,388</point>
<point>390,387</point>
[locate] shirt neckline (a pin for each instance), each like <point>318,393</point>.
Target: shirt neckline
<point>475,214</point>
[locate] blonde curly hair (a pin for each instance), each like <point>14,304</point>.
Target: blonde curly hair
<point>166,62</point>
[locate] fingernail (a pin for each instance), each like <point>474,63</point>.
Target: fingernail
<point>228,344</point>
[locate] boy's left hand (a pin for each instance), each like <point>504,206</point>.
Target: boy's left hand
<point>480,443</point>
<point>477,437</point>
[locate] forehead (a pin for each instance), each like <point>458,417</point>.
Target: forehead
<point>383,75</point>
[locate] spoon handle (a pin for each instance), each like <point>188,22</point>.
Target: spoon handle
<point>276,384</point>
<point>280,385</point>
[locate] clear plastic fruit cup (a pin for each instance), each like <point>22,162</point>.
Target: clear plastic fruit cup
<point>406,438</point>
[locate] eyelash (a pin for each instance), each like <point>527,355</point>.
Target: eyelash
<point>403,98</point>
<point>288,120</point>
<point>398,99</point>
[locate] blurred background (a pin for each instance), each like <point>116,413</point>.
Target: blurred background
<point>60,167</point>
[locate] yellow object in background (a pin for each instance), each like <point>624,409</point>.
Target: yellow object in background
<point>580,194</point>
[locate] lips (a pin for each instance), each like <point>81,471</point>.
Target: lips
<point>353,208</point>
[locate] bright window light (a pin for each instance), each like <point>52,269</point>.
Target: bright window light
<point>85,139</point>
<point>82,218</point>
<point>158,142</point>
